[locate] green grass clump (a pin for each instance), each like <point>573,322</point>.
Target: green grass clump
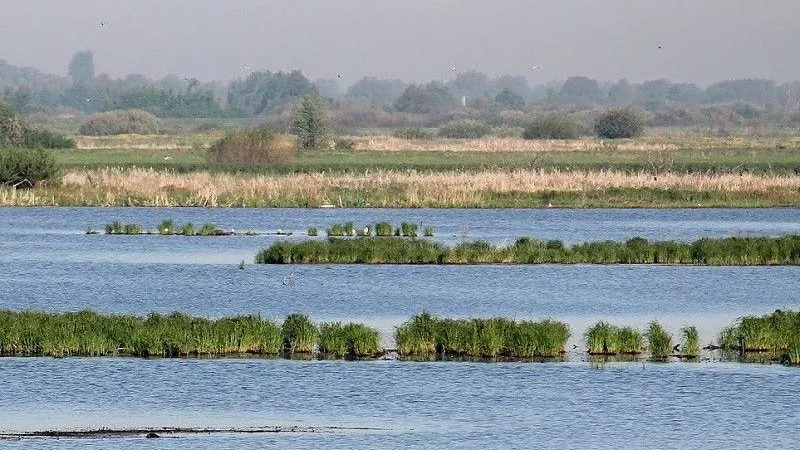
<point>87,333</point>
<point>691,342</point>
<point>348,340</point>
<point>601,338</point>
<point>630,340</point>
<point>312,231</point>
<point>659,341</point>
<point>166,227</point>
<point>408,229</point>
<point>427,335</point>
<point>383,229</point>
<point>208,229</point>
<point>778,332</point>
<point>186,229</point>
<point>427,231</point>
<point>299,334</point>
<point>116,227</point>
<point>736,251</point>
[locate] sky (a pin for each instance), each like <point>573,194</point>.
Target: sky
<point>700,41</point>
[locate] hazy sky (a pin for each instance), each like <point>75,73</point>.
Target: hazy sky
<point>415,40</point>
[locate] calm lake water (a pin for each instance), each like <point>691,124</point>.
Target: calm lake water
<point>48,263</point>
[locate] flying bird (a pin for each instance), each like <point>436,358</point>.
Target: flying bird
<point>453,69</point>
<point>537,66</point>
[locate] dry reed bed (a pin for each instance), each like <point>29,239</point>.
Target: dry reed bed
<point>151,187</point>
<point>511,144</point>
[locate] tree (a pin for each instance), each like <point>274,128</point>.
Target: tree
<point>510,99</point>
<point>581,91</point>
<point>420,99</point>
<point>81,68</point>
<point>375,91</point>
<point>311,123</point>
<point>262,92</point>
<point>617,123</point>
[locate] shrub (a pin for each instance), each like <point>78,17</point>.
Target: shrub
<point>26,167</point>
<point>121,121</point>
<point>618,123</point>
<point>15,133</point>
<point>551,126</point>
<point>464,129</point>
<point>257,145</point>
<point>412,133</point>
<point>311,122</point>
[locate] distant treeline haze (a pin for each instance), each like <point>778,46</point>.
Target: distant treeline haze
<point>374,102</point>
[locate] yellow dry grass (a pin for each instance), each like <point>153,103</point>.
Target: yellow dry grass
<point>148,187</point>
<point>655,143</point>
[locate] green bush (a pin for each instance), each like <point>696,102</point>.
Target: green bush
<point>551,126</point>
<point>121,121</point>
<point>619,123</point>
<point>464,129</point>
<point>257,145</point>
<point>15,133</point>
<point>26,167</point>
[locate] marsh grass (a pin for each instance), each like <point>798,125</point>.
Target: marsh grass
<point>299,334</point>
<point>428,335</point>
<point>659,340</point>
<point>691,342</point>
<point>348,340</point>
<point>604,338</point>
<point>312,231</point>
<point>733,251</point>
<point>87,333</point>
<point>777,333</point>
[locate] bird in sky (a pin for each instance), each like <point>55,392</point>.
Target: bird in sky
<point>537,66</point>
<point>453,69</point>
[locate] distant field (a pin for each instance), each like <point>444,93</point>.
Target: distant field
<point>653,154</point>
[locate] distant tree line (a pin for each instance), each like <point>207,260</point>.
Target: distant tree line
<point>374,102</point>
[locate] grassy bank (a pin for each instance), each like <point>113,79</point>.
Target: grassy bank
<point>483,189</point>
<point>733,251</point>
<point>86,333</point>
<point>774,337</point>
<point>777,333</point>
<point>427,335</point>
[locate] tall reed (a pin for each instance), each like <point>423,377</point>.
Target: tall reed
<point>691,342</point>
<point>299,334</point>
<point>659,341</point>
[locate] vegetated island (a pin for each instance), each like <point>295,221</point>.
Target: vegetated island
<point>775,336</point>
<point>729,251</point>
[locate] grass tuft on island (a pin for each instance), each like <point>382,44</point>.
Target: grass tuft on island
<point>777,333</point>
<point>87,333</point>
<point>426,335</point>
<point>730,251</point>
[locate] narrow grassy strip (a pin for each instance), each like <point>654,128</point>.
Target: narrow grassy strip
<point>778,332</point>
<point>427,335</point>
<point>166,228</point>
<point>732,251</point>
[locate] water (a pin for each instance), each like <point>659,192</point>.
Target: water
<point>48,263</point>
